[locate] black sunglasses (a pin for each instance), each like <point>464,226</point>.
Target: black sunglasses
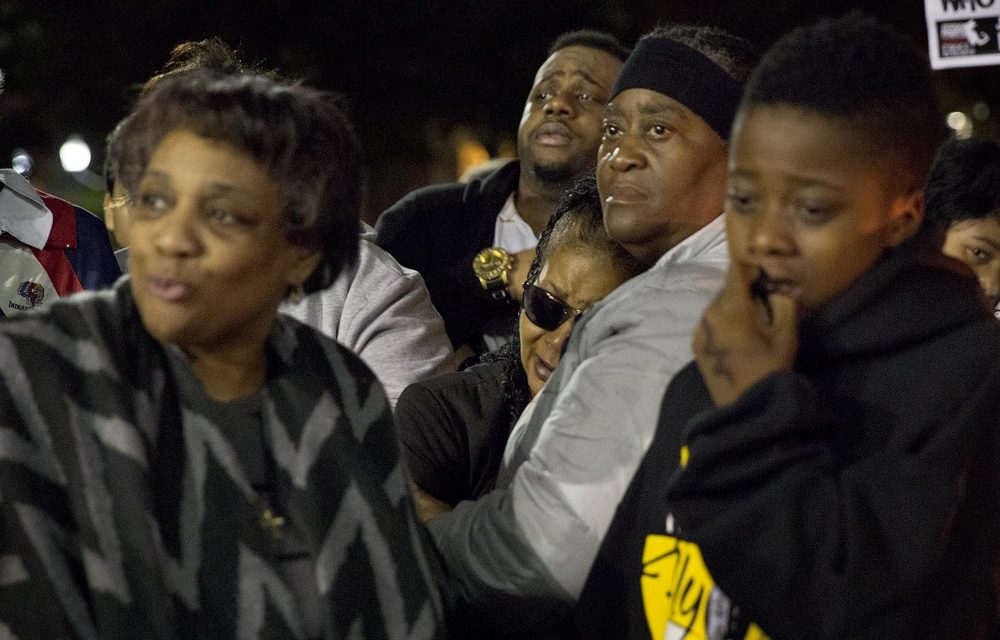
<point>545,310</point>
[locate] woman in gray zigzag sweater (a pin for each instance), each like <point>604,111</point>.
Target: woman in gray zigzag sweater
<point>176,459</point>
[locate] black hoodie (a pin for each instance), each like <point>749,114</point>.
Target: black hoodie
<point>857,496</point>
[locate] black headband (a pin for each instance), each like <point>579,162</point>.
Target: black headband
<point>678,71</point>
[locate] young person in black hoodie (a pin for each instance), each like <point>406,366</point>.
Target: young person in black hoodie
<point>827,467</point>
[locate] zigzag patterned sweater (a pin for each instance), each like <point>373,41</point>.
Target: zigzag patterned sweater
<point>125,511</point>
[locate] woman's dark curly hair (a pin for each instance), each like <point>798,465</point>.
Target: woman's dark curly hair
<point>300,136</point>
<point>577,222</point>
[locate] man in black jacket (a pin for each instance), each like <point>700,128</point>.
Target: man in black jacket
<point>442,230</point>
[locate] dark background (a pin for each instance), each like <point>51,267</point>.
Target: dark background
<point>419,76</point>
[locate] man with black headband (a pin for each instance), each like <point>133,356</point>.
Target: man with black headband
<point>523,551</point>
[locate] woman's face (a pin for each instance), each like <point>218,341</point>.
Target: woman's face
<point>976,242</point>
<point>579,277</point>
<point>209,260</point>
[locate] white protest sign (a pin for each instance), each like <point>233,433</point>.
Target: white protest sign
<point>963,33</point>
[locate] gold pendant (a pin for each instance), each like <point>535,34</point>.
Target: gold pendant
<point>269,521</point>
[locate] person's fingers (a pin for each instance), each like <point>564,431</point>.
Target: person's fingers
<point>784,317</point>
<point>741,275</point>
<point>746,271</point>
<point>736,291</point>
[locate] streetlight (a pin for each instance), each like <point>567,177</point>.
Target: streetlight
<point>74,154</point>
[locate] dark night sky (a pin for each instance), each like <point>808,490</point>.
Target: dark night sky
<point>411,71</point>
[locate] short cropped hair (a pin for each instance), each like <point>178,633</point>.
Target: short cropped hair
<point>964,183</point>
<point>866,74</point>
<point>733,54</point>
<point>593,39</point>
<point>300,136</point>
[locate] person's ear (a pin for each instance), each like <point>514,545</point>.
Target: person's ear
<point>906,215</point>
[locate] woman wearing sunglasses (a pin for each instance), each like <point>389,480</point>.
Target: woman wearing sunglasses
<point>454,427</point>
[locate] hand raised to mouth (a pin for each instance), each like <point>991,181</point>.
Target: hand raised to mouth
<point>760,289</point>
<point>748,332</point>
